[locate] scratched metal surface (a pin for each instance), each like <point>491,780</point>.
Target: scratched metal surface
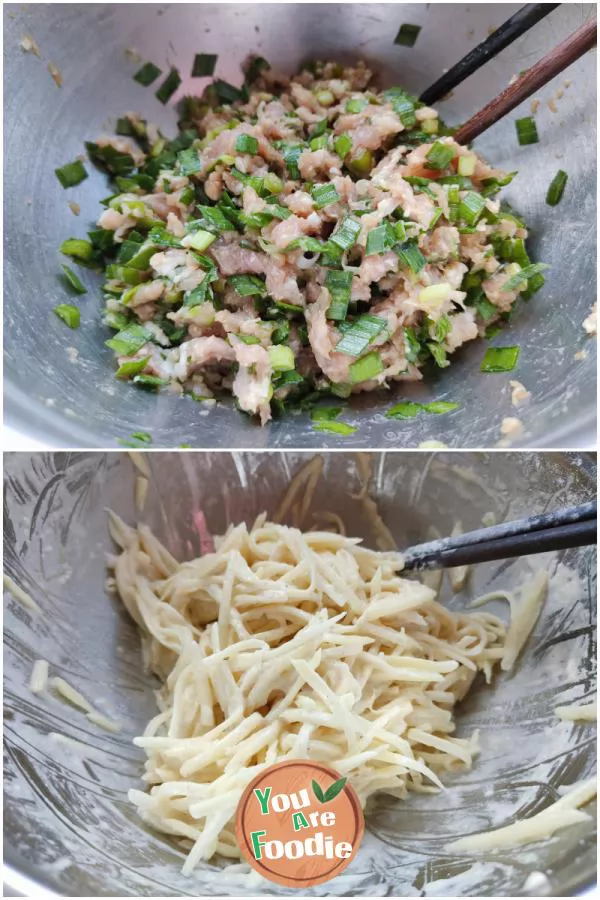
<point>68,825</point>
<point>79,404</point>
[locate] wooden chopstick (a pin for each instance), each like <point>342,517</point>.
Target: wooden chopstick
<point>571,527</point>
<point>508,32</point>
<point>543,71</point>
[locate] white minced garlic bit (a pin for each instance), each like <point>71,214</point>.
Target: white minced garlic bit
<point>535,105</point>
<point>591,323</point>
<point>520,394</point>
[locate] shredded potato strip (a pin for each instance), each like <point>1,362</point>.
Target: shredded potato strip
<point>283,644</point>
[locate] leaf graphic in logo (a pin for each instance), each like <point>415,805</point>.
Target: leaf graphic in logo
<point>317,791</point>
<point>334,789</point>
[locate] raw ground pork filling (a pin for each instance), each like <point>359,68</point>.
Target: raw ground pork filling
<point>300,236</point>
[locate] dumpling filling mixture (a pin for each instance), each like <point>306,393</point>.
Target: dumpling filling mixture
<point>300,237</point>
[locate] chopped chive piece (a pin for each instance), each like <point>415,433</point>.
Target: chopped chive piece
<point>381,239</point>
<point>467,164</point>
<point>198,240</point>
<point>557,188</point>
<point>500,359</point>
<point>126,274</point>
<point>247,285</point>
<point>527,131</point>
<point>438,407</point>
<point>342,145</point>
<point>291,155</point>
<point>411,256</point>
<point>359,335</point>
<point>406,410</point>
<point>213,219</point>
<point>486,309</point>
<point>334,428</point>
<point>129,340</point>
<point>73,280</point>
<point>245,143</point>
<point>160,237</point>
<point>189,162</point>
<point>307,244</point>
<point>356,105</point>
<point>519,278</point>
<point>360,163</point>
<point>407,35</point>
<point>142,436</point>
<point>273,183</point>
<point>248,338</point>
<point>366,368</point>
<point>77,249</point>
<point>68,313</point>
<point>346,234</point>
<point>430,126</point>
<point>324,195</point>
<point>439,355</point>
<point>150,381</point>
<point>320,128</point>
<point>188,195</point>
<point>132,367</point>
<point>325,413</point>
<point>204,64</point>
<point>440,156</point>
<point>147,74</point>
<point>339,284</point>
<point>470,207</point>
<point>116,162</point>
<point>282,358</point>
<point>226,92</point>
<point>403,105</point>
<point>320,142</point>
<point>71,174</point>
<point>168,87</point>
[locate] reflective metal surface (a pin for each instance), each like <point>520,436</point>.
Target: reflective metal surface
<point>79,403</point>
<point>68,825</point>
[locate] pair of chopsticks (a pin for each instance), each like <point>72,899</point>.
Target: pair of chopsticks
<point>527,84</point>
<point>575,526</point>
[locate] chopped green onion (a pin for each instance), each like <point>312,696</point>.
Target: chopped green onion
<point>189,162</point>
<point>132,367</point>
<point>77,249</point>
<point>204,64</point>
<point>150,382</point>
<point>360,163</point>
<point>214,219</point>
<point>198,240</point>
<point>519,278</point>
<point>356,105</point>
<point>168,87</point>
<point>257,65</point>
<point>324,195</point>
<point>400,231</point>
<point>142,436</point>
<point>141,257</point>
<point>291,154</point>
<point>407,35</point>
<point>245,143</point>
<point>439,355</point>
<point>527,131</point>
<point>129,340</point>
<point>403,105</point>
<point>102,239</point>
<point>273,183</point>
<point>125,128</point>
<point>334,428</point>
<point>284,379</point>
<point>325,413</point>
<point>126,274</point>
<point>359,335</point>
<point>248,338</point>
<point>412,345</point>
<point>438,407</point>
<point>73,280</point>
<point>116,162</point>
<point>307,244</point>
<point>342,145</point>
<point>470,207</point>
<point>187,195</point>
<point>381,238</point>
<point>346,234</point>
<point>486,309</point>
<point>406,410</point>
<point>467,164</point>
<point>247,285</point>
<point>366,368</point>
<point>319,143</point>
<point>500,359</point>
<point>453,202</point>
<point>430,126</point>
<point>339,284</point>
<point>68,313</point>
<point>71,174</point>
<point>411,256</point>
<point>440,156</point>
<point>160,237</point>
<point>282,358</point>
<point>289,307</point>
<point>435,294</point>
<point>226,92</point>
<point>147,74</point>
<point>320,128</point>
<point>557,188</point>
<point>442,328</point>
<point>325,98</point>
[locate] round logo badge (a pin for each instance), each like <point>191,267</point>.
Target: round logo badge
<point>299,823</point>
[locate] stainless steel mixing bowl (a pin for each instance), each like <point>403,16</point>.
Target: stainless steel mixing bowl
<point>63,401</point>
<point>68,825</point>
